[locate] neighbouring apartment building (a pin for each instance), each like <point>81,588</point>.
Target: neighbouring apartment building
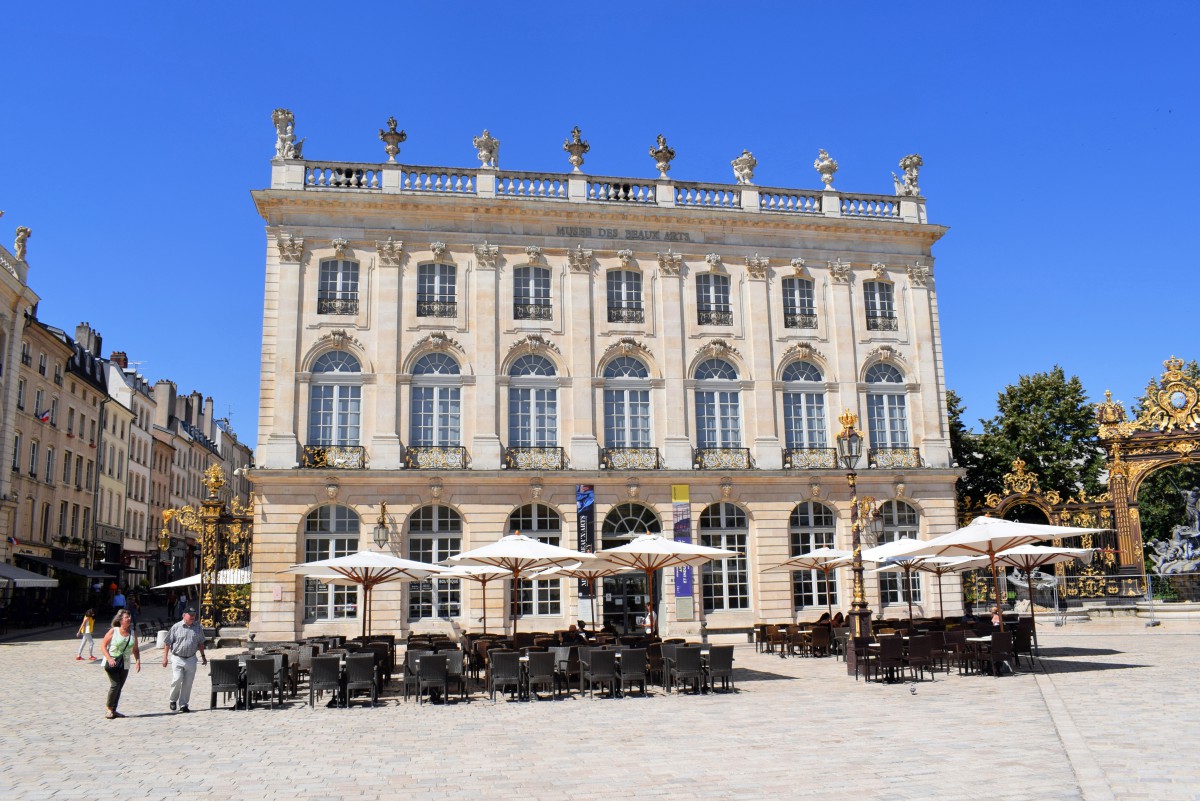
<point>490,351</point>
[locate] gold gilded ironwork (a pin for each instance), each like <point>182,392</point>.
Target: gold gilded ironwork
<point>214,479</point>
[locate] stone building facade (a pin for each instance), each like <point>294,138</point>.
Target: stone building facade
<point>472,346</point>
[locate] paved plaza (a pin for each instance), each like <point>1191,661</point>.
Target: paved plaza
<point>1113,715</point>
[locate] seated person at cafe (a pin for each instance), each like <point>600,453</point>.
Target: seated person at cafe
<point>581,626</point>
<point>573,636</point>
<point>608,628</point>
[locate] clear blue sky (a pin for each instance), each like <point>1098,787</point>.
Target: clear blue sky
<point>1060,142</point>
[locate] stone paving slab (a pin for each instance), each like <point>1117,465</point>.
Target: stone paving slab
<point>1096,724</point>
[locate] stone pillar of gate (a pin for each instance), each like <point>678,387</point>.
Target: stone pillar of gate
<point>1129,532</point>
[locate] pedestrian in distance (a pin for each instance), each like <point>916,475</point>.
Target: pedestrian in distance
<point>118,644</point>
<point>184,640</point>
<point>181,604</point>
<point>86,632</point>
<point>118,601</point>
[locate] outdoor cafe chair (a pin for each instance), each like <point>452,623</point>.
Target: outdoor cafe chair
<point>566,665</point>
<point>1022,644</point>
<point>326,674</point>
<point>600,668</point>
<point>654,661</point>
<point>720,666</point>
<point>859,649</point>
<point>841,636</point>
<point>777,638</point>
<point>634,663</point>
<point>226,678</point>
<point>456,672</point>
<point>411,657</point>
<point>504,671</point>
<point>431,675</point>
<point>668,657</point>
<point>687,666</point>
<point>998,652</point>
<point>939,649</point>
<point>920,654</point>
<point>262,678</point>
<point>361,675</point>
<point>540,672</point>
<point>891,657</point>
<point>819,641</point>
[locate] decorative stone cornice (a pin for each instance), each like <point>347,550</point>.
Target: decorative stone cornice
<point>438,249</point>
<point>291,248</point>
<point>625,256</point>
<point>803,351</point>
<point>880,270</point>
<point>534,343</point>
<point>437,341</point>
<point>669,263</point>
<point>339,246</point>
<point>533,254</point>
<point>758,266</point>
<point>390,252</point>
<point>840,271</point>
<point>714,261</point>
<point>798,266</point>
<point>626,346</point>
<point>579,260</point>
<point>487,255</point>
<point>717,349</point>
<point>339,339</point>
<point>883,353</point>
<point>919,274</point>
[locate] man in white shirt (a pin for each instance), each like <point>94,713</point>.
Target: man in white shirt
<point>184,641</point>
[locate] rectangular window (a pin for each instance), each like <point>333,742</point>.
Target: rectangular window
<point>54,412</point>
<point>16,460</point>
<point>49,465</point>
<point>539,597</point>
<point>718,419</point>
<point>87,521</point>
<point>334,415</point>
<point>817,530</point>
<point>726,582</point>
<point>712,300</point>
<point>87,484</point>
<point>887,420</point>
<point>329,601</point>
<point>337,287</point>
<point>74,520</point>
<point>804,419</point>
<point>435,417</point>
<point>627,418</point>
<point>33,458</point>
<point>62,519</point>
<point>78,472</point>
<point>26,359</point>
<point>434,598</point>
<point>880,305</point>
<point>531,294</point>
<point>70,421</point>
<point>532,418</point>
<point>41,364</point>
<point>625,297</point>
<point>21,394</point>
<point>436,290</point>
<point>799,310</point>
<point>893,587</point>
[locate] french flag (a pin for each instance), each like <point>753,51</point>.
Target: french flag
<point>43,417</point>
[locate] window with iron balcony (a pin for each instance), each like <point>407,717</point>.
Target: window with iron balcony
<point>712,300</point>
<point>436,285</point>
<point>337,287</point>
<point>879,297</point>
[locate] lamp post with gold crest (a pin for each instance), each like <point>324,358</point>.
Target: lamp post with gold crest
<point>224,536</point>
<point>849,450</point>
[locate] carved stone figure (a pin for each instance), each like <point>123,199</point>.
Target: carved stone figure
<point>391,139</point>
<point>826,166</point>
<point>291,248</point>
<point>625,256</point>
<point>487,255</point>
<point>390,252</point>
<point>1191,510</point>
<point>487,150</point>
<point>840,270</point>
<point>662,156</point>
<point>669,263</point>
<point>919,274</point>
<point>286,146</point>
<point>908,185</point>
<point>579,260</point>
<point>23,234</point>
<point>743,167</point>
<point>577,147</point>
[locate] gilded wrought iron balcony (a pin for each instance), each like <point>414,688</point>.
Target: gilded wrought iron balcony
<point>535,458</point>
<point>894,458</point>
<point>337,303</point>
<point>533,311</point>
<point>721,459</point>
<point>799,321</point>
<point>877,322</point>
<point>436,308</point>
<point>626,314</point>
<point>809,458</point>
<point>436,457</point>
<point>714,317</point>
<point>334,457</point>
<point>629,459</point>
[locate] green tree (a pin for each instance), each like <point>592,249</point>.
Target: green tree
<point>1160,502</point>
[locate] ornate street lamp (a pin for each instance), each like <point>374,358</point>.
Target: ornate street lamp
<point>849,450</point>
<point>382,533</point>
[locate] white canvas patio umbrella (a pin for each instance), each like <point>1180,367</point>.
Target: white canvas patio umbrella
<point>1031,557</point>
<point>480,575</point>
<point>366,569</point>
<point>937,566</point>
<point>517,554</point>
<point>651,552</point>
<point>988,536</point>
<point>824,559</point>
<point>897,552</point>
<point>229,576</point>
<point>591,571</point>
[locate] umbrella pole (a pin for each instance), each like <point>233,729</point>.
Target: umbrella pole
<point>650,601</point>
<point>828,597</point>
<point>592,592</point>
<point>1032,614</point>
<point>483,601</point>
<point>366,611</point>
<point>941,601</point>
<point>996,581</point>
<point>908,589</point>
<point>513,605</point>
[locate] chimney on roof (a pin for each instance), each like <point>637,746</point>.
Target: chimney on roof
<point>88,338</point>
<point>120,359</point>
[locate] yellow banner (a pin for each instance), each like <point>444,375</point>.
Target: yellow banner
<point>679,493</point>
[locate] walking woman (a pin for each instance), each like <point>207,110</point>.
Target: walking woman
<point>117,645</point>
<point>86,629</point>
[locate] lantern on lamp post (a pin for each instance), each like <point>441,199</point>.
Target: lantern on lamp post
<point>849,450</point>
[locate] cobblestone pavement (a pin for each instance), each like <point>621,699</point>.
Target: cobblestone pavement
<point>1110,717</point>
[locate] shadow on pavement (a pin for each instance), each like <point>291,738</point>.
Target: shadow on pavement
<point>1053,666</point>
<point>745,674</point>
<point>1069,651</point>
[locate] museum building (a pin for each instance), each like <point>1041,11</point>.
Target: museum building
<point>454,354</point>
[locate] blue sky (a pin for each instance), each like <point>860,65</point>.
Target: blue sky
<point>1060,147</point>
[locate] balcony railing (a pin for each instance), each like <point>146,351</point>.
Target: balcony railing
<point>629,459</point>
<point>334,457</point>
<point>881,323</point>
<point>534,458</point>
<point>894,458</point>
<point>437,308</point>
<point>346,303</point>
<point>799,320</point>
<point>721,459</point>
<point>809,458</point>
<point>26,359</point>
<point>533,311</point>
<point>626,314</point>
<point>714,317</point>
<point>436,457</point>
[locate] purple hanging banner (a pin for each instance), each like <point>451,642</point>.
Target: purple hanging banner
<point>585,517</point>
<point>682,509</point>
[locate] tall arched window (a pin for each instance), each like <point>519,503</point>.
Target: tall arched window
<point>726,582</point>
<point>626,521</point>
<point>799,308</point>
<point>434,534</point>
<point>627,404</point>
<point>804,406</point>
<point>531,294</point>
<point>337,287</point>
<point>330,532</point>
<point>899,521</point>
<point>812,525</point>
<point>335,400</point>
<point>436,398</point>
<point>532,403</point>
<point>538,596</point>
<point>625,297</point>
<point>718,405</point>
<point>887,416</point>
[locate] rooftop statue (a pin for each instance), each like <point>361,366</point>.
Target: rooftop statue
<point>286,146</point>
<point>391,139</point>
<point>912,167</point>
<point>743,167</point>
<point>826,166</point>
<point>23,234</point>
<point>577,147</point>
<point>662,156</point>
<point>488,149</point>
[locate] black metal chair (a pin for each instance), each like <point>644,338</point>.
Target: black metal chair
<point>431,675</point>
<point>859,650</point>
<point>362,674</point>
<point>226,678</point>
<point>600,668</point>
<point>325,674</point>
<point>720,666</point>
<point>668,658</point>
<point>634,667</point>
<point>456,671</point>
<point>262,678</point>
<point>920,655</point>
<point>504,671</point>
<point>687,666</point>
<point>540,672</point>
<point>891,657</point>
<point>410,678</point>
<point>566,665</point>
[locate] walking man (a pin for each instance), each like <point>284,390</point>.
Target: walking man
<point>184,640</point>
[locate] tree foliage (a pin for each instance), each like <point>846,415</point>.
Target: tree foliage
<point>1160,500</point>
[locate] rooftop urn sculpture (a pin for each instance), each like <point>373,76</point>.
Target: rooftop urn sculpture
<point>912,167</point>
<point>576,146</point>
<point>826,166</point>
<point>743,167</point>
<point>391,139</point>
<point>286,146</point>
<point>662,156</point>
<point>23,235</point>
<point>487,149</point>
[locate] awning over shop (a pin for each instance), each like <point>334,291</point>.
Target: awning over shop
<point>24,578</point>
<point>66,567</point>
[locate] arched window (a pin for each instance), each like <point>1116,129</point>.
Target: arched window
<point>337,287</point>
<point>436,400</point>
<point>799,309</point>
<point>625,297</point>
<point>335,400</point>
<point>538,596</point>
<point>434,534</point>
<point>900,521</point>
<point>627,404</point>
<point>532,403</point>
<point>712,300</point>
<point>330,532</point>
<point>726,582</point>
<point>626,521</point>
<point>531,294</point>
<point>880,300</point>
<point>804,406</point>
<point>811,526</point>
<point>887,416</point>
<point>718,405</point>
